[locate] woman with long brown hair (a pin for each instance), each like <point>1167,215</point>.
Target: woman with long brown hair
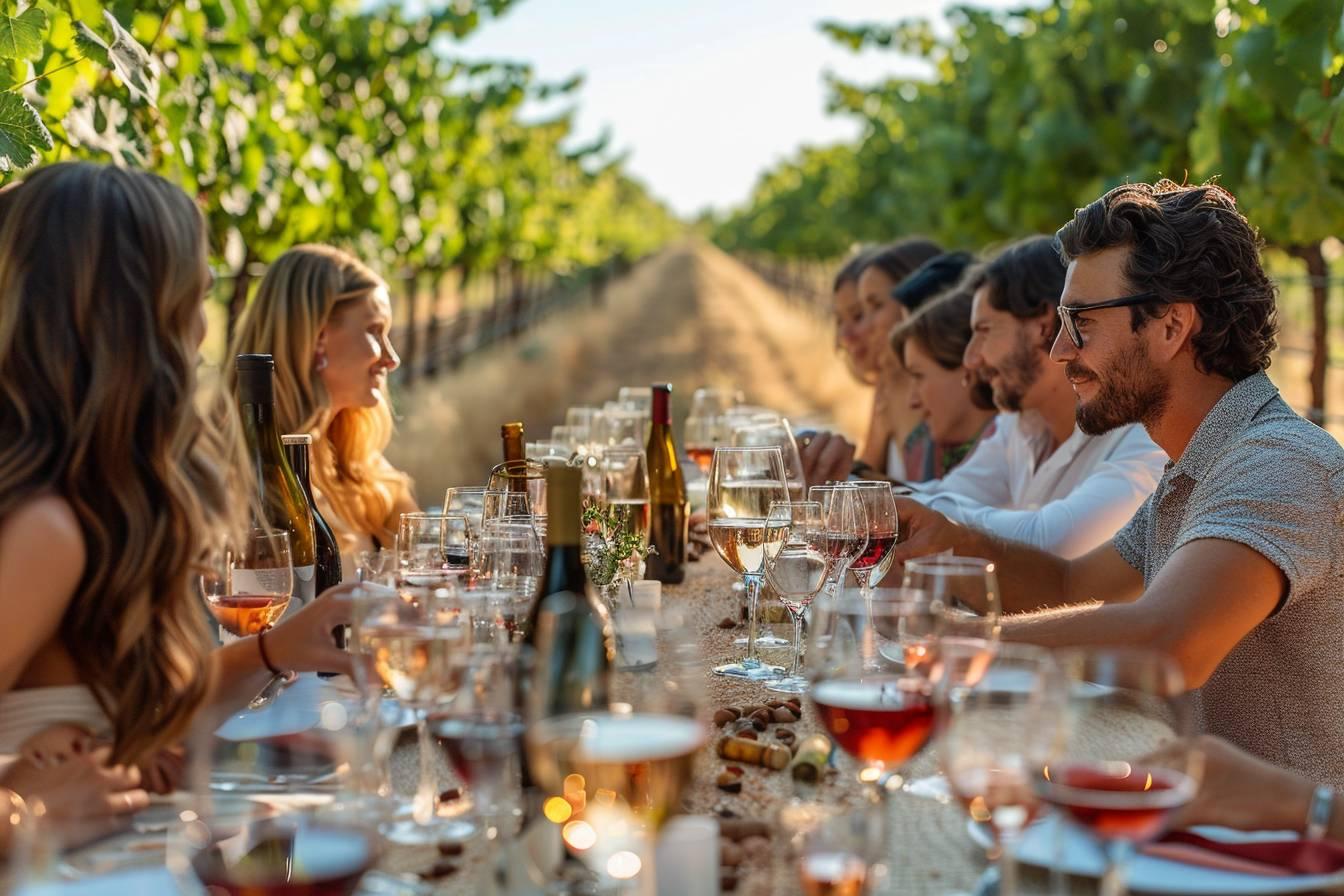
<point>326,318</point>
<point>112,486</point>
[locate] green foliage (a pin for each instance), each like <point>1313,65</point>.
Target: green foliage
<point>1028,113</point>
<point>313,120</point>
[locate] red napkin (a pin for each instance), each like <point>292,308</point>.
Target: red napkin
<point>1276,858</point>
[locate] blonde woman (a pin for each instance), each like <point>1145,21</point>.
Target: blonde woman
<point>111,484</point>
<point>326,318</point>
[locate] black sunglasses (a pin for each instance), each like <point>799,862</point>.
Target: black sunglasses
<point>1066,312</point>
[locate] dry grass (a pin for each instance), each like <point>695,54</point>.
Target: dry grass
<point>691,316</point>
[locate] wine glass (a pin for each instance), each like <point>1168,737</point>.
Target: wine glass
<point>968,588</point>
<point>832,848</point>
<point>509,567</point>
<point>713,401</point>
<point>876,706</point>
<point>247,586</point>
<point>407,636</point>
<point>846,523</point>
<point>620,426</point>
<point>636,398</point>
<point>796,574</point>
<point>549,452</point>
<point>575,438</point>
<point>701,436</point>
<point>432,548</point>
<point>743,484</point>
<point>467,501</point>
<point>871,566</point>
<point>613,753</point>
<point>1100,781</point>
<point>998,730</point>
<point>777,433</point>
<point>528,477</point>
<point>231,828</point>
<point>625,489</point>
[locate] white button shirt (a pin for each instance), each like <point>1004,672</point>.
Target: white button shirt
<point>1067,503</point>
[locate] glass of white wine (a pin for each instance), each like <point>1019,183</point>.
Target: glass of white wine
<point>407,635</point>
<point>743,484</point>
<point>625,490</point>
<point>247,585</point>
<point>796,574</point>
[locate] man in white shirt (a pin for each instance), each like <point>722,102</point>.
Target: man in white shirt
<point>1038,479</point>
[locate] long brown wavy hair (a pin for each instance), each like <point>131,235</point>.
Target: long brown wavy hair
<point>102,275</point>
<point>304,289</point>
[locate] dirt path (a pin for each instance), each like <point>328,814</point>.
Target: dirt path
<point>690,315</point>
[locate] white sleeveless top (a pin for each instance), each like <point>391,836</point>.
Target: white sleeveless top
<point>28,711</point>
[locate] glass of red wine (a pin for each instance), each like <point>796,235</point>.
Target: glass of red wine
<point>875,706</point>
<point>998,728</point>
<point>1123,704</point>
<point>871,566</point>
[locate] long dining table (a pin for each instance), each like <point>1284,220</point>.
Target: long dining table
<point>929,849</point>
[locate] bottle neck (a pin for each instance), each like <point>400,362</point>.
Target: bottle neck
<point>298,462</point>
<point>661,413</point>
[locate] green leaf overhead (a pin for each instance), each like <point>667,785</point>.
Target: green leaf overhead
<point>21,36</point>
<point>21,133</point>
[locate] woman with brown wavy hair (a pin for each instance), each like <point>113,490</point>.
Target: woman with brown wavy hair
<point>112,486</point>
<point>326,318</point>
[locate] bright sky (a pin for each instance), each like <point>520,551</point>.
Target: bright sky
<point>704,94</point>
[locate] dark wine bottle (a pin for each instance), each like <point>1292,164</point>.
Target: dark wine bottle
<point>669,511</point>
<point>569,626</point>
<point>282,502</point>
<point>515,461</point>
<point>325,550</point>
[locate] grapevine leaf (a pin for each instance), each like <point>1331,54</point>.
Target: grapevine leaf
<point>22,133</point>
<point>91,45</point>
<point>21,36</point>
<point>132,62</point>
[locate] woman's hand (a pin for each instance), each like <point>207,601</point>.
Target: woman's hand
<point>303,642</point>
<point>84,797</point>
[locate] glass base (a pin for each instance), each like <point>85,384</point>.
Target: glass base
<point>769,642</point>
<point>404,831</point>
<point>934,787</point>
<point>751,670</point>
<point>788,685</point>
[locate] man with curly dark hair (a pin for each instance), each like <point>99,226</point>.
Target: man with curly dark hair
<point>1233,566</point>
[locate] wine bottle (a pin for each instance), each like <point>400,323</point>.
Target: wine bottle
<point>281,500</point>
<point>326,553</point>
<point>669,511</point>
<point>515,464</point>
<point>564,564</point>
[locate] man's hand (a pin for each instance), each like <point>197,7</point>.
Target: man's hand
<point>923,531</point>
<point>826,457</point>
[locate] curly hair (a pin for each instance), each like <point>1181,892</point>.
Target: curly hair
<point>1024,278</point>
<point>1188,243</point>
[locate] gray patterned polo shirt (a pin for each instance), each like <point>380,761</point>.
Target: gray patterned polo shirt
<point>1258,474</point>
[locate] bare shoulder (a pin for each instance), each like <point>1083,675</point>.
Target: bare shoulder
<point>39,531</point>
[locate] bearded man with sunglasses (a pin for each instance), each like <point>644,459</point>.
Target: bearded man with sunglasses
<point>1234,566</point>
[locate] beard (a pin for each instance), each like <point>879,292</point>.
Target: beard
<point>1131,392</point>
<point>1017,374</point>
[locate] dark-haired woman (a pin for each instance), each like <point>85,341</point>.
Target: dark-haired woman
<point>956,410</point>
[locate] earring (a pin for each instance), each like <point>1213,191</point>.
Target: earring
<point>320,362</point>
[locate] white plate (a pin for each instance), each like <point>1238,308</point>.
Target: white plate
<point>1077,853</point>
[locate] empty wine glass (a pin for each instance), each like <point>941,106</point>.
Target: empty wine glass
<point>247,586</point>
<point>467,501</point>
<point>636,398</point>
<point>968,588</point>
<point>758,434</point>
<point>998,730</point>
<point>549,452</point>
<point>714,401</point>
<point>621,426</point>
<point>846,523</point>
<point>796,574</point>
<point>432,548</point>
<point>743,484</point>
<point>509,568</point>
<point>575,438</point>
<point>1105,780</point>
<point>529,478</point>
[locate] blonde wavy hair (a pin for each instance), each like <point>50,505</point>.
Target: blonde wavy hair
<point>102,275</point>
<point>303,290</point>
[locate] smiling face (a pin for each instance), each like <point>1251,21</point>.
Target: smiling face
<point>1005,352</point>
<point>849,332</point>
<point>940,395</point>
<point>1113,374</point>
<point>880,312</point>
<point>359,356</point>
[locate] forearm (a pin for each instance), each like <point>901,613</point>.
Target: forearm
<point>239,674</point>
<point>1029,579</point>
<point>1082,625</point>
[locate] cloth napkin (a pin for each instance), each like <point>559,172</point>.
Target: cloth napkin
<point>1270,858</point>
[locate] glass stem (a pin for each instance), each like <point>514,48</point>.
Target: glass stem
<point>1118,853</point>
<point>1008,861</point>
<point>753,585</point>
<point>796,667</point>
<point>425,795</point>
